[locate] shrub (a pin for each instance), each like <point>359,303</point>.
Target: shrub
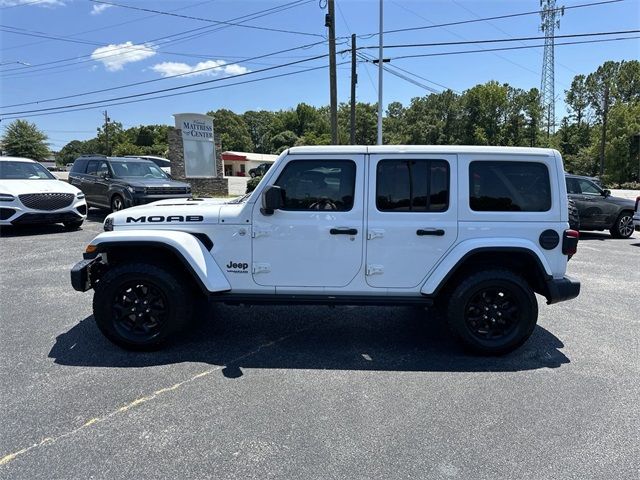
<point>252,183</point>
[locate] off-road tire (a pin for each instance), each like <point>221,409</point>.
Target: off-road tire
<point>518,308</point>
<point>623,226</point>
<point>119,286</point>
<point>73,225</point>
<point>574,216</point>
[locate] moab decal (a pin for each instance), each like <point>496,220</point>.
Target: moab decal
<point>162,218</point>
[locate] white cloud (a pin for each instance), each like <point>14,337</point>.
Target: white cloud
<point>114,57</point>
<point>35,3</point>
<point>209,68</point>
<point>99,8</point>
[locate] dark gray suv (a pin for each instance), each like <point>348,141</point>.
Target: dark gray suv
<point>598,210</point>
<point>117,183</point>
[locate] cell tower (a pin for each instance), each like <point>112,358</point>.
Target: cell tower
<point>550,21</point>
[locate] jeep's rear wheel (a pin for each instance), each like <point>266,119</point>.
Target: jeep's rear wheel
<point>493,312</point>
<point>139,306</point>
<point>623,228</point>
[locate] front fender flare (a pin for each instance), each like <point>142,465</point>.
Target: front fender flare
<point>193,254</point>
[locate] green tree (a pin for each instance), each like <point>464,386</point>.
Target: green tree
<point>232,130</point>
<point>24,139</point>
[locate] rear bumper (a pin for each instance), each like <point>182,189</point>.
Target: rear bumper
<point>561,289</point>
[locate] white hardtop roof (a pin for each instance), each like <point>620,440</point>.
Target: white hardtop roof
<point>444,149</point>
<point>16,159</point>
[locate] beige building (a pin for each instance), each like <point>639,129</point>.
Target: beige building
<point>238,164</point>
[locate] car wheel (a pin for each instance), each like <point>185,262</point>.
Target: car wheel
<point>117,203</point>
<point>574,216</point>
<point>623,228</point>
<point>493,312</point>
<point>140,306</point>
<point>73,225</point>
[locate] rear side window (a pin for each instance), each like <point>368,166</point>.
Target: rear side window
<point>92,167</point>
<point>412,186</point>
<point>79,166</point>
<point>318,185</point>
<point>509,187</point>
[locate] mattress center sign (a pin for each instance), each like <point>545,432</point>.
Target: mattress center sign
<point>198,144</point>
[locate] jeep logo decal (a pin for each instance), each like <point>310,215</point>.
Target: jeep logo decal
<point>234,267</point>
<point>170,218</point>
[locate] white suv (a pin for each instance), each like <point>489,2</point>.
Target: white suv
<point>29,194</point>
<point>478,230</point>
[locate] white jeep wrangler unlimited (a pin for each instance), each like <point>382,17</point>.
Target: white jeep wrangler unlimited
<point>478,230</point>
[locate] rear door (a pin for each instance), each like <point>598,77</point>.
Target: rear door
<point>316,239</point>
<point>412,218</point>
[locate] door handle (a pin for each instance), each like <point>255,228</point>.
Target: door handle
<point>431,231</point>
<point>343,231</point>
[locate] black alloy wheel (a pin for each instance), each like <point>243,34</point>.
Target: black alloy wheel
<point>141,306</point>
<point>493,312</point>
<point>140,310</point>
<point>623,228</point>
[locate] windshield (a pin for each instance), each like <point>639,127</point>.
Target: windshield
<point>24,171</point>
<point>137,170</point>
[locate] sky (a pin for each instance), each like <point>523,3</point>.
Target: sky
<point>59,48</point>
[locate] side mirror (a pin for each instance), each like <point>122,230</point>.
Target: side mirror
<point>606,193</point>
<point>271,200</point>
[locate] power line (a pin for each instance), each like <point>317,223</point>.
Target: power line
<point>300,47</point>
<point>476,20</point>
<point>162,41</point>
<point>201,19</point>
<point>21,4</point>
<point>168,89</point>
<point>179,93</point>
<point>504,49</point>
<point>501,40</point>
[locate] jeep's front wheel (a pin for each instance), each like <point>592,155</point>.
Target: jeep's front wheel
<point>493,312</point>
<point>139,306</point>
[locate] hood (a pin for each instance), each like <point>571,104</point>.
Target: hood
<point>20,187</point>
<point>152,182</point>
<point>169,213</point>
<point>623,202</point>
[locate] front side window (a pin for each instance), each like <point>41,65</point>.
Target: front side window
<point>588,188</point>
<point>496,186</point>
<point>318,185</point>
<point>92,167</point>
<point>412,186</point>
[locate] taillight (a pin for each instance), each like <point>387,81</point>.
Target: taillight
<point>570,242</point>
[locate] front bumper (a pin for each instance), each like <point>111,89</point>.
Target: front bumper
<point>15,213</point>
<point>81,274</point>
<point>561,289</point>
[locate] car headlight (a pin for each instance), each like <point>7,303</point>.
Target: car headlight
<point>5,197</point>
<point>79,195</point>
<point>137,189</point>
<point>108,224</point>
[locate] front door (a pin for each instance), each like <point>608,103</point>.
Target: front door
<point>412,218</point>
<point>316,239</point>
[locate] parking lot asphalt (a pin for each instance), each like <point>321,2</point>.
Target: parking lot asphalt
<point>315,392</point>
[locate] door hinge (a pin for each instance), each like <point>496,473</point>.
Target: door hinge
<point>255,233</point>
<point>261,268</point>
<point>373,233</point>
<point>375,269</point>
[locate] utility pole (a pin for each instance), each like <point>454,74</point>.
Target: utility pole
<point>603,138</point>
<point>380,70</point>
<point>354,81</point>
<point>106,132</point>
<point>547,84</point>
<point>330,22</point>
